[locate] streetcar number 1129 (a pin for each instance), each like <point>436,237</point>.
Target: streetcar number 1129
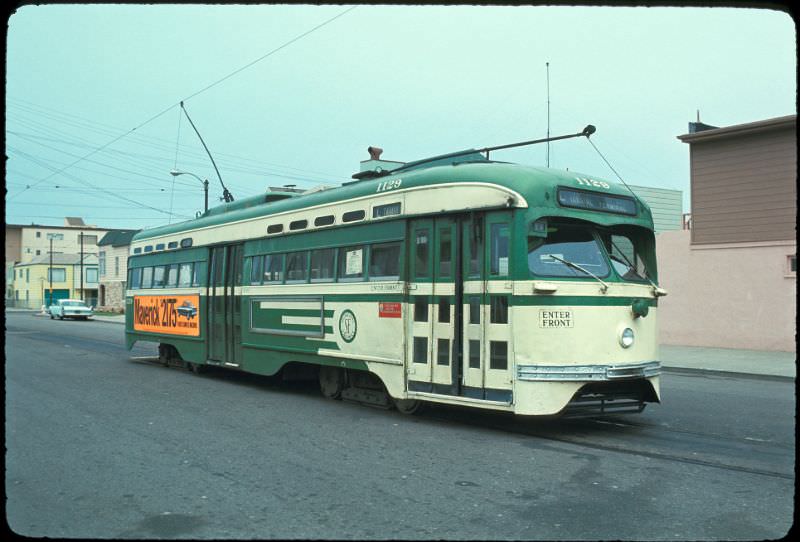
<point>389,185</point>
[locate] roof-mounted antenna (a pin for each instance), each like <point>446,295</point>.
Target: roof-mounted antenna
<point>226,195</point>
<point>547,65</point>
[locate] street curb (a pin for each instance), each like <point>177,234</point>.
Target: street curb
<point>108,322</point>
<point>730,374</point>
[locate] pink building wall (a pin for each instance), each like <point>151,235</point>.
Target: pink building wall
<point>736,295</point>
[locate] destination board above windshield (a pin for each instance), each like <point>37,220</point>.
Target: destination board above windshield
<point>593,201</point>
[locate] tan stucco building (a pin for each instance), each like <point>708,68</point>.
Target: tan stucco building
<point>112,252</point>
<point>732,277</point>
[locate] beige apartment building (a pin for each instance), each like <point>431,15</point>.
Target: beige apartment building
<point>28,243</point>
<point>732,277</point>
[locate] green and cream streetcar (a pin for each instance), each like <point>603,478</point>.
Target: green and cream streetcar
<point>455,280</point>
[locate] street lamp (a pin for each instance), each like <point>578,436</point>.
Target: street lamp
<point>175,173</point>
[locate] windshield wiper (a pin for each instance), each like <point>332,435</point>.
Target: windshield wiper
<point>656,290</point>
<point>568,263</point>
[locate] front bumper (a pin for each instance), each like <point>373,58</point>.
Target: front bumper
<point>587,373</point>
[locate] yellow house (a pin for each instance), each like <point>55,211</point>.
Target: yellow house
<point>32,285</point>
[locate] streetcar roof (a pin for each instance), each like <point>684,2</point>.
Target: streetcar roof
<point>529,182</point>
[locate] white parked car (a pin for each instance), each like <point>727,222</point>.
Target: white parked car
<point>70,308</point>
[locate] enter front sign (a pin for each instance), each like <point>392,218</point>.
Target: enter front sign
<point>555,318</point>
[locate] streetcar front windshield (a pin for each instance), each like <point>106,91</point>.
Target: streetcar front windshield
<point>565,250</point>
<point>629,253</point>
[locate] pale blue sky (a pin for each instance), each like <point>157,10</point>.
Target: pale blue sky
<point>415,80</point>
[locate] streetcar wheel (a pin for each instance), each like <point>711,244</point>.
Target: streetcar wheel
<point>52,317</point>
<point>331,382</point>
<point>196,368</point>
<point>409,406</point>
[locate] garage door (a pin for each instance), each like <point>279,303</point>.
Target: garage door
<point>57,294</point>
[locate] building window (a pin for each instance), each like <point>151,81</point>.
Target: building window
<point>116,266</point>
<point>38,252</point>
<point>91,275</point>
<point>38,234</point>
<point>56,274</point>
<point>101,262</point>
<point>791,265</point>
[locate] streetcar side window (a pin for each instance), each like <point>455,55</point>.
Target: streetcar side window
<point>255,269</point>
<point>322,264</point>
<point>199,270</point>
<point>353,216</point>
<point>499,249</point>
<point>172,276</point>
<point>136,278</point>
<point>185,275</point>
<point>499,312</point>
<point>273,268</point>
<point>159,276</point>
<point>351,263</point>
<point>421,253</point>
<point>498,355</point>
<point>445,252</point>
<point>297,266</point>
<point>147,277</point>
<point>384,261</point>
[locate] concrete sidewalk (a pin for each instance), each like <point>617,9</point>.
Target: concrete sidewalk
<point>674,359</point>
<point>782,365</point>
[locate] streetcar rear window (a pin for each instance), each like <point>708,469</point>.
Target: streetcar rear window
<point>563,251</point>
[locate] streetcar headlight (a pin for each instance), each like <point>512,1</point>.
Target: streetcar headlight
<point>626,338</point>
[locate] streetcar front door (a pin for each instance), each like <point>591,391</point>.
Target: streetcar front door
<point>486,315</point>
<point>224,305</point>
<point>432,291</point>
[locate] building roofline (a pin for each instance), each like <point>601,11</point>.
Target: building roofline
<point>775,123</point>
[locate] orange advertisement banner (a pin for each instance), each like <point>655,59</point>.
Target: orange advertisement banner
<point>170,314</point>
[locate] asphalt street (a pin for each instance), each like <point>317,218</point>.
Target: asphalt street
<point>102,443</point>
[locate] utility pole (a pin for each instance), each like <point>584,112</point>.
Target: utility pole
<point>50,271</point>
<point>82,296</point>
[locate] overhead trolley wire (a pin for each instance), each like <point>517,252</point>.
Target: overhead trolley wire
<point>202,90</point>
<point>161,143</point>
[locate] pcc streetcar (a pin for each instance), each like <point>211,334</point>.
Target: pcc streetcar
<point>455,279</point>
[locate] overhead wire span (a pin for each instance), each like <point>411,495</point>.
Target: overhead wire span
<point>204,89</point>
